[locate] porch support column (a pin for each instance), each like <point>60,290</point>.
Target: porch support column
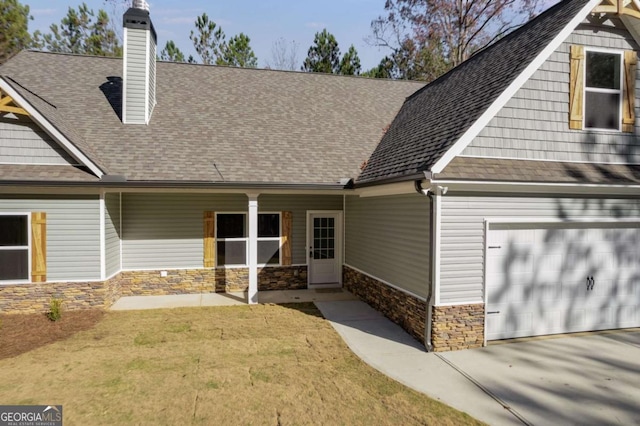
<point>253,249</point>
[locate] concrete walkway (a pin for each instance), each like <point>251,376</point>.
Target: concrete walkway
<point>587,380</point>
<point>227,299</point>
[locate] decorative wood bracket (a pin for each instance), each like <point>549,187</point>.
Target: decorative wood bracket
<point>7,105</point>
<point>619,7</point>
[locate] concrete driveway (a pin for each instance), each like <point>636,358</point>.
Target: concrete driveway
<point>592,379</point>
<point>577,380</point>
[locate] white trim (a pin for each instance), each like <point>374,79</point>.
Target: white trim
<point>252,297</point>
<point>551,221</point>
<point>39,164</point>
<point>436,247</point>
<point>544,160</point>
<point>511,90</point>
<point>485,294</point>
<point>339,246</point>
<point>125,64</point>
<point>387,283</point>
<point>475,302</point>
<point>121,233</point>
<point>546,188</point>
<point>619,92</point>
<point>344,229</point>
<point>147,44</point>
<point>400,188</point>
<point>29,248</point>
<point>103,238</point>
<point>112,275</point>
<point>39,119</point>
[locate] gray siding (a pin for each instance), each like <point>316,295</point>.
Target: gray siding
<point>112,233</point>
<point>462,238</point>
<point>137,63</point>
<point>73,233</point>
<point>535,122</point>
<point>298,205</point>
<point>165,231</point>
<point>388,238</point>
<point>23,142</point>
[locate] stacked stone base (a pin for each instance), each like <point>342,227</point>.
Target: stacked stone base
<point>407,311</point>
<point>457,327</point>
<point>36,297</point>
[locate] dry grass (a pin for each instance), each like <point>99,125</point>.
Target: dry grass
<point>260,364</point>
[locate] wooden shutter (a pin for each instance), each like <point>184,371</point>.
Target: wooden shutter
<point>629,99</point>
<point>38,247</point>
<point>576,87</point>
<point>209,239</point>
<point>287,219</point>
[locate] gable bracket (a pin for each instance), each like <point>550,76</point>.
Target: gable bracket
<point>8,105</point>
<point>619,7</point>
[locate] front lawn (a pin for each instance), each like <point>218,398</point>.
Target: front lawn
<point>262,364</point>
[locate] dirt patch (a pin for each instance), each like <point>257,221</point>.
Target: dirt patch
<point>22,333</point>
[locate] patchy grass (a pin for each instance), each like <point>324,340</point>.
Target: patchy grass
<point>261,364</point>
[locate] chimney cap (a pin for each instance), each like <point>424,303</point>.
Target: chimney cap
<point>140,4</point>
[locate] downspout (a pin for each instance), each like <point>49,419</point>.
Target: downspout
<point>428,326</point>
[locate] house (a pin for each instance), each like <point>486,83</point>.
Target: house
<point>499,201</point>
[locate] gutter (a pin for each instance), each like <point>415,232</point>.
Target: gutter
<point>430,298</point>
<point>395,179</point>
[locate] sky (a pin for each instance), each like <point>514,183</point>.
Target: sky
<point>263,21</point>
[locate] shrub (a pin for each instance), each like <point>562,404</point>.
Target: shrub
<point>55,309</point>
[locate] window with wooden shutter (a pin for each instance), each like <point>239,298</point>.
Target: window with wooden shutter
<point>38,247</point>
<point>209,239</point>
<point>287,230</point>
<point>576,87</point>
<point>628,104</point>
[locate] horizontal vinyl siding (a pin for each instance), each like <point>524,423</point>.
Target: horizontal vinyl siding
<point>299,205</point>
<point>23,142</point>
<point>152,74</point>
<point>388,238</point>
<point>462,238</point>
<point>112,233</point>
<point>137,64</point>
<point>534,124</point>
<point>165,231</point>
<point>73,233</point>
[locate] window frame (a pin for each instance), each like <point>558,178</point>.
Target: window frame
<point>246,240</point>
<point>619,92</point>
<point>28,249</point>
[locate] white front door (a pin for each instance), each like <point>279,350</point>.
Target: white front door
<point>547,279</point>
<point>325,249</point>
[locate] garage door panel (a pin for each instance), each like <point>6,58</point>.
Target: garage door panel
<point>562,278</point>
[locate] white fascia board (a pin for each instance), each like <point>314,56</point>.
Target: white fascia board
<point>399,188</point>
<point>66,144</point>
<point>511,90</point>
<point>552,220</point>
<point>533,187</point>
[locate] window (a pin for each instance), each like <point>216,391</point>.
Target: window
<point>232,239</point>
<point>603,90</point>
<point>324,238</point>
<point>14,247</point>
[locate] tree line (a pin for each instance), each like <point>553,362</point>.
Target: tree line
<point>423,38</point>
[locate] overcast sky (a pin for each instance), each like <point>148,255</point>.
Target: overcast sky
<point>263,21</point>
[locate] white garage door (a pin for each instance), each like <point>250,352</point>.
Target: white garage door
<point>559,278</point>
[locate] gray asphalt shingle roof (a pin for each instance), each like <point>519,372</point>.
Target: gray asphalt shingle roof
<point>255,125</point>
<point>434,118</point>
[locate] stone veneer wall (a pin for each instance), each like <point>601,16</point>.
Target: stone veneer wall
<point>407,311</point>
<point>457,327</point>
<point>35,297</point>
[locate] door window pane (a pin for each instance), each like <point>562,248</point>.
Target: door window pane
<point>324,238</point>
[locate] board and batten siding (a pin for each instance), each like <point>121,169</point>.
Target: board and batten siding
<point>388,238</point>
<point>463,228</point>
<point>136,79</point>
<point>534,124</point>
<point>73,233</point>
<point>165,231</point>
<point>112,234</point>
<point>23,142</point>
<point>298,205</point>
